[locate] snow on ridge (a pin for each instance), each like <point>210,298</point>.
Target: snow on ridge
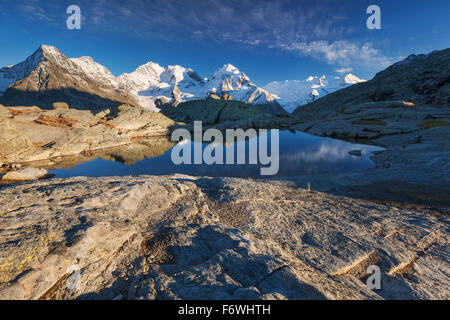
<point>352,79</point>
<point>95,71</point>
<point>174,83</point>
<point>149,82</point>
<point>11,74</point>
<point>294,93</point>
<point>142,78</point>
<point>226,79</point>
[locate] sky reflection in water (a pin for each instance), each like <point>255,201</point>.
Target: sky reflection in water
<point>300,154</point>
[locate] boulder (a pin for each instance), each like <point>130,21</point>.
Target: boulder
<point>61,106</point>
<point>214,96</point>
<point>226,96</point>
<point>27,174</point>
<point>162,101</point>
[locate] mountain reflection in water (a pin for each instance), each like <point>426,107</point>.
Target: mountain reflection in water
<point>300,154</point>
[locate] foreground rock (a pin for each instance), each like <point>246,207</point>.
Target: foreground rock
<point>190,238</point>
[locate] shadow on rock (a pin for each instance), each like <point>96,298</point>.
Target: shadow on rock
<point>211,262</point>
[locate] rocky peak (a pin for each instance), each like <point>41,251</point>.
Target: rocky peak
<point>177,74</point>
<point>228,71</point>
<point>150,68</point>
<point>11,74</point>
<point>48,76</point>
<point>143,77</point>
<point>48,70</point>
<point>49,51</point>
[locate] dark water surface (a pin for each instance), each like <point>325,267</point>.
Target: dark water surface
<point>299,154</point>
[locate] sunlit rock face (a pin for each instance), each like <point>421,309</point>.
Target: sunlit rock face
<point>48,76</point>
<point>32,134</point>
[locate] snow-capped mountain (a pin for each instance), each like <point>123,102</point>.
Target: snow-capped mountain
<point>48,75</point>
<point>153,85</point>
<point>11,74</point>
<point>228,79</point>
<point>293,93</point>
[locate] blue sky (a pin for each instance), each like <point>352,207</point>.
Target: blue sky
<point>267,39</point>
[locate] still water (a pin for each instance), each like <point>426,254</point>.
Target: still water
<point>299,154</point>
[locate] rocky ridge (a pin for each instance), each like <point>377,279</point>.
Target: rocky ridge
<point>410,96</point>
<point>48,76</point>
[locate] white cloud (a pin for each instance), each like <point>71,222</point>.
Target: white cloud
<point>283,25</point>
<point>288,25</point>
<point>342,53</point>
<point>344,70</point>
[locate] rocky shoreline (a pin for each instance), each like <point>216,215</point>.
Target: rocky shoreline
<point>183,237</point>
<point>31,134</point>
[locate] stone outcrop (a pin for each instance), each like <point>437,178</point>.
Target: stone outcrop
<point>32,134</point>
<point>421,80</point>
<point>60,106</point>
<point>214,96</point>
<point>373,120</point>
<point>408,97</point>
<point>229,114</point>
<point>227,97</point>
<point>182,237</point>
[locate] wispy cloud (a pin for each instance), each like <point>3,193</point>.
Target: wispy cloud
<point>342,53</point>
<point>343,70</point>
<point>39,11</point>
<point>318,29</point>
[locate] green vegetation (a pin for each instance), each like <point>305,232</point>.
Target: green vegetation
<point>372,122</point>
<point>433,123</point>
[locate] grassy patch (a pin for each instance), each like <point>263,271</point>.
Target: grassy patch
<point>372,122</point>
<point>433,123</point>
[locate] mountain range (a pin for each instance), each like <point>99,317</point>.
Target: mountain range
<point>293,93</point>
<point>48,76</point>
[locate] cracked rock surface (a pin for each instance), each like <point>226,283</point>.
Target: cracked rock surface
<point>182,237</point>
